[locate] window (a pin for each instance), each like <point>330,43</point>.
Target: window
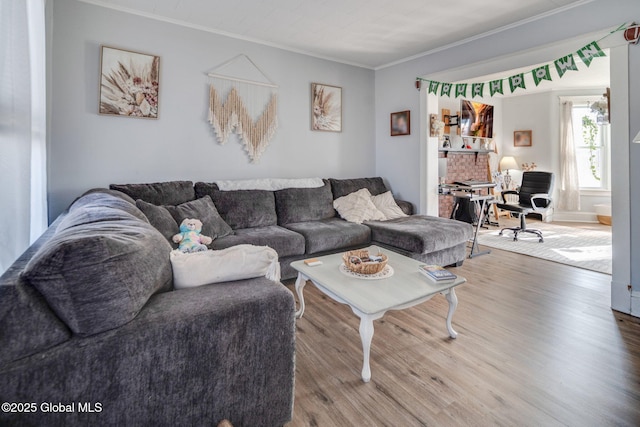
<point>591,138</point>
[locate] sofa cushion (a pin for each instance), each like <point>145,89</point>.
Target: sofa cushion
<point>205,188</point>
<point>159,193</point>
<point>167,219</point>
<point>97,276</point>
<point>115,193</point>
<point>331,234</point>
<point>342,187</point>
<point>388,206</point>
<point>304,204</point>
<point>242,208</point>
<point>97,207</point>
<point>358,207</point>
<point>285,242</point>
<point>420,233</point>
<point>28,324</point>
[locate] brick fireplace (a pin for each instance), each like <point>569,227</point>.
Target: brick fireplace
<point>462,167</point>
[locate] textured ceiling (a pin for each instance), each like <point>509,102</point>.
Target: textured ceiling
<point>368,33</point>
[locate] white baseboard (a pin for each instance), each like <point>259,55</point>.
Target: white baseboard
<point>561,216</point>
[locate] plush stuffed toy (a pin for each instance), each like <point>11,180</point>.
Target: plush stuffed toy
<point>190,238</point>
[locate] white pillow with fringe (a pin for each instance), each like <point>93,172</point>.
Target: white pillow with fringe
<point>234,263</point>
<point>358,207</point>
<point>388,206</point>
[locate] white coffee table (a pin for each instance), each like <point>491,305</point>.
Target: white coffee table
<point>371,299</point>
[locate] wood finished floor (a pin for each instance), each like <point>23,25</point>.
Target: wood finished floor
<point>537,345</point>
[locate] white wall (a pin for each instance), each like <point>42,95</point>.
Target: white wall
<point>88,150</point>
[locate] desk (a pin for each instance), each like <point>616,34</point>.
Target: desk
<point>472,191</point>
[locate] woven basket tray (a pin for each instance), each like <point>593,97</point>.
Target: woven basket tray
<point>353,261</point>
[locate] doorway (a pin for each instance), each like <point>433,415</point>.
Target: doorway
<point>621,271</point>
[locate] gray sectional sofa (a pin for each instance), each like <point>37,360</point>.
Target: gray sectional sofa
<point>301,222</point>
<point>90,316</point>
<point>93,333</point>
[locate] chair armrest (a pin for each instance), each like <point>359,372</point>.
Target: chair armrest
<point>504,193</point>
<point>542,196</point>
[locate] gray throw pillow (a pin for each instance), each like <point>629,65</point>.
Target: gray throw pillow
<point>203,209</point>
<point>160,218</point>
<point>159,193</point>
<point>304,204</point>
<point>167,219</point>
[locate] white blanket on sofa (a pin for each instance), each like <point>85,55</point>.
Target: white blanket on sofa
<point>271,184</point>
<point>234,263</point>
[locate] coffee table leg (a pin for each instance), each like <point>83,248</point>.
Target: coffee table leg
<point>301,281</point>
<point>366,335</point>
<point>453,303</point>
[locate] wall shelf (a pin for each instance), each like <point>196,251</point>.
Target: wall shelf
<point>474,151</point>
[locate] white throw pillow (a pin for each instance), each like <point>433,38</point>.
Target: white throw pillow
<point>234,263</point>
<point>358,207</point>
<point>388,206</point>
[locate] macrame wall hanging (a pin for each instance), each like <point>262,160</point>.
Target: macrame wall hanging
<point>246,107</point>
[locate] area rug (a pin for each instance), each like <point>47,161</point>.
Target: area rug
<point>579,247</point>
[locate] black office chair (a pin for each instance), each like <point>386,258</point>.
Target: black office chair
<point>534,196</point>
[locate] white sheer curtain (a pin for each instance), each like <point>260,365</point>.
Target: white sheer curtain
<point>23,212</point>
<point>568,185</point>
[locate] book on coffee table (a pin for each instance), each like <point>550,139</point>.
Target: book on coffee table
<point>437,273</point>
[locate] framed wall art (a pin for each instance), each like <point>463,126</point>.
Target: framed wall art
<point>326,107</point>
<point>129,83</point>
<point>522,138</point>
<point>400,123</point>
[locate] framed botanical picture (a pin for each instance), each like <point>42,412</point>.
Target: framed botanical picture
<point>326,107</point>
<point>401,123</point>
<point>522,138</point>
<point>129,83</point>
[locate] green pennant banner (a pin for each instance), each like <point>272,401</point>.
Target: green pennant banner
<point>590,51</point>
<point>541,73</point>
<point>446,89</point>
<point>496,87</point>
<point>562,65</point>
<point>516,81</point>
<point>433,87</point>
<point>477,89</point>
<point>565,63</point>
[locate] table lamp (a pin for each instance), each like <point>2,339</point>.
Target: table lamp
<point>508,162</point>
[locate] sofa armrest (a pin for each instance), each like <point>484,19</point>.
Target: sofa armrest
<point>407,207</point>
<point>206,353</point>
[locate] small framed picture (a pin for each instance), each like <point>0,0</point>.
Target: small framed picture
<point>522,138</point>
<point>326,107</point>
<point>129,83</point>
<point>401,123</point>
